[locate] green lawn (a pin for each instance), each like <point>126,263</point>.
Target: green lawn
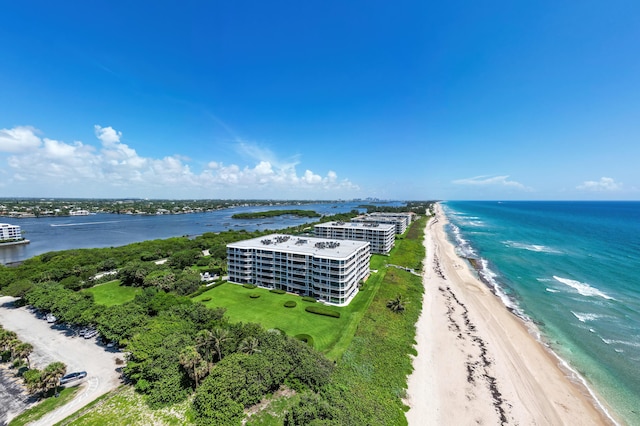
<point>45,406</point>
<point>330,335</point>
<point>112,293</point>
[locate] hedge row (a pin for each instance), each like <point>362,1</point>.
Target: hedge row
<point>309,299</point>
<point>321,310</point>
<point>289,304</point>
<point>305,338</point>
<point>249,286</point>
<point>254,295</point>
<point>277,291</point>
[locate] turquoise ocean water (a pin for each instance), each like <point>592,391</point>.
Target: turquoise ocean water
<point>573,268</point>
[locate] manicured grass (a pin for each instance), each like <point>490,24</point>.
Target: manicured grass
<point>112,293</point>
<point>44,407</point>
<point>268,310</point>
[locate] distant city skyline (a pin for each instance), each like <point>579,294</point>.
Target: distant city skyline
<point>320,100</point>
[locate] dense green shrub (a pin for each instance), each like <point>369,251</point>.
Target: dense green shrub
<point>254,295</point>
<point>289,304</point>
<point>249,286</point>
<point>206,299</point>
<point>321,310</point>
<point>309,299</point>
<point>277,291</point>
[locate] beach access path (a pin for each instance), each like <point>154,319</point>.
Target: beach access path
<point>477,363</point>
<point>58,343</point>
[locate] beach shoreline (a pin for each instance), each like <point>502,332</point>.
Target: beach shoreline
<point>479,362</point>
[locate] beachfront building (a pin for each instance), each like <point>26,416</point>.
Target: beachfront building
<point>10,232</point>
<point>408,217</point>
<point>400,223</point>
<point>381,236</point>
<point>326,269</point>
<point>79,213</point>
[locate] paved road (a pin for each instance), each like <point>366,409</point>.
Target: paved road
<point>13,398</point>
<point>55,343</point>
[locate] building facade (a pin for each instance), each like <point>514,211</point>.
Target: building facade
<point>10,232</point>
<point>382,237</point>
<point>328,270</point>
<point>400,223</point>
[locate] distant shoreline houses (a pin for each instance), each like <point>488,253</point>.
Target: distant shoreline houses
<point>330,266</point>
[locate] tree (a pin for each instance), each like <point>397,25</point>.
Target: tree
<point>196,367</point>
<point>219,336</point>
<point>396,305</point>
<point>187,282</point>
<point>184,258</point>
<point>33,380</point>
<point>249,345</point>
<point>22,351</point>
<point>204,343</point>
<point>6,336</point>
<point>52,374</point>
<point>163,279</point>
<point>133,273</point>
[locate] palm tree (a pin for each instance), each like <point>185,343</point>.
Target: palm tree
<point>191,361</point>
<point>249,345</point>
<point>6,336</point>
<point>204,344</point>
<point>52,374</point>
<point>396,305</point>
<point>11,346</point>
<point>219,336</point>
<point>22,351</point>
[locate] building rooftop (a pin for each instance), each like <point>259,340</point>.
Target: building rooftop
<point>357,225</point>
<point>320,247</point>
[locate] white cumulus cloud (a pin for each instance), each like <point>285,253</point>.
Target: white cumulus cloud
<point>490,181</point>
<point>604,184</point>
<point>19,139</point>
<point>111,168</point>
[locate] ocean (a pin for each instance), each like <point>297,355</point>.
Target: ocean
<point>573,269</point>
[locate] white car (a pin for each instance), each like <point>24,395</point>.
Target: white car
<point>71,377</point>
<point>90,333</point>
<point>51,318</point>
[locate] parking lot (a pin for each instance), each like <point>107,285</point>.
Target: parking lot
<point>54,342</point>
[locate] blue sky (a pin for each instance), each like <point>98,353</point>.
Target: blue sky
<point>320,99</point>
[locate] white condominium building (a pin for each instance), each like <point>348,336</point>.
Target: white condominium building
<point>381,236</point>
<point>407,216</point>
<point>10,232</point>
<point>326,269</point>
<point>399,223</point>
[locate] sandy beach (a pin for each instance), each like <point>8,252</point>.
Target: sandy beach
<point>477,362</point>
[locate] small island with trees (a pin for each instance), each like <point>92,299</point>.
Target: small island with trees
<point>275,213</point>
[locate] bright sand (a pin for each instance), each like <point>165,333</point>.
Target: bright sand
<point>477,362</point>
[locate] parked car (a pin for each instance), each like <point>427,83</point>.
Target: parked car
<point>72,377</point>
<point>51,318</point>
<point>90,333</point>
